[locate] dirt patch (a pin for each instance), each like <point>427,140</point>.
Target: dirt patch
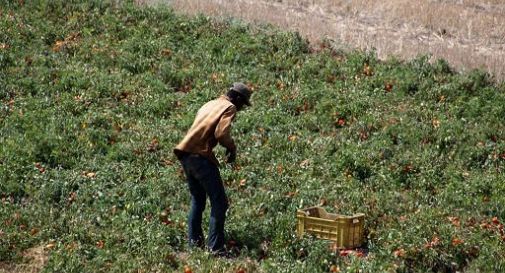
<point>467,33</point>
<point>34,259</point>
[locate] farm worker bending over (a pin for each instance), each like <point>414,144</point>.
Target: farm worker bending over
<point>212,125</point>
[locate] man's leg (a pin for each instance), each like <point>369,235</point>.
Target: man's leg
<point>198,198</point>
<point>210,179</point>
<point>219,204</point>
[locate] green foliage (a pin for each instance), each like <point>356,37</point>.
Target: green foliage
<point>95,95</point>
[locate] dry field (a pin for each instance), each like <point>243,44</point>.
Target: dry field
<point>468,33</point>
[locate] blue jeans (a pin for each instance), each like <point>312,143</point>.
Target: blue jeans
<point>204,179</point>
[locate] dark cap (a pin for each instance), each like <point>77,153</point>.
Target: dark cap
<point>243,90</point>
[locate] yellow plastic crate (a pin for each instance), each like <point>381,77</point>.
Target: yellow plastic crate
<point>345,231</point>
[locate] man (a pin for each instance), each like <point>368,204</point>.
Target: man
<point>212,125</point>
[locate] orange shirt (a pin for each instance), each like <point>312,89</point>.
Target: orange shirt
<point>212,125</point>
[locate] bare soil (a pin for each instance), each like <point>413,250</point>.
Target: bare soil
<point>34,260</point>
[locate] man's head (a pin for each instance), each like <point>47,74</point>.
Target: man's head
<point>239,95</point>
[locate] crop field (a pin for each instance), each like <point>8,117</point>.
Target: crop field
<point>95,95</point>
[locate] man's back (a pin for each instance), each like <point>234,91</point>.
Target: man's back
<point>211,125</point>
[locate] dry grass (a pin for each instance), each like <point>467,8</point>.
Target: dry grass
<point>34,260</point>
<point>468,33</point>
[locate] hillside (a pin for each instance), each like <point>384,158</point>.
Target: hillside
<point>95,96</point>
<point>467,33</point>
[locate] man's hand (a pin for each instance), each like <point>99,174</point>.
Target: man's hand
<point>231,155</point>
